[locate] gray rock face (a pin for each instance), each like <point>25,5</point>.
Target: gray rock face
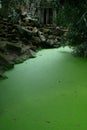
<point>20,42</point>
<point>42,37</point>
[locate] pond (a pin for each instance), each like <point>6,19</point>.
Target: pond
<point>48,92</point>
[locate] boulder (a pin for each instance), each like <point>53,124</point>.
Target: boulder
<point>3,45</point>
<point>5,62</point>
<point>45,30</point>
<point>36,40</point>
<point>24,32</point>
<point>14,47</point>
<point>42,37</point>
<point>2,76</point>
<point>29,54</point>
<point>53,43</point>
<point>32,21</point>
<point>35,30</point>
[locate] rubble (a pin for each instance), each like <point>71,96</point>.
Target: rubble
<point>19,42</point>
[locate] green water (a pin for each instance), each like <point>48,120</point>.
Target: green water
<point>45,93</point>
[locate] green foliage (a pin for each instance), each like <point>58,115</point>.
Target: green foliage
<point>74,16</point>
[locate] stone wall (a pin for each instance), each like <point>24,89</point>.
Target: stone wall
<point>46,12</point>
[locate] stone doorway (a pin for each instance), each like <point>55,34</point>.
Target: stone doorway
<point>50,16</point>
<point>47,16</point>
<point>44,17</point>
<point>46,12</point>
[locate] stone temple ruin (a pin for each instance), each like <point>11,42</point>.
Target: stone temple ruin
<point>45,10</point>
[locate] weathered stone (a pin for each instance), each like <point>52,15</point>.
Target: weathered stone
<point>25,56</point>
<point>46,11</point>
<point>35,30</point>
<point>53,43</point>
<point>32,21</point>
<point>25,48</point>
<point>31,39</point>
<point>32,54</point>
<point>45,30</point>
<point>3,45</point>
<point>42,37</point>
<point>21,59</point>
<point>5,62</point>
<point>2,76</point>
<point>17,47</point>
<point>36,40</point>
<point>24,31</point>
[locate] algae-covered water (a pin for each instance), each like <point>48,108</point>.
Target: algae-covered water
<point>45,93</point>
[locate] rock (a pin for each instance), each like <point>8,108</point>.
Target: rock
<point>36,40</point>
<point>34,48</point>
<point>50,36</point>
<point>25,48</point>
<point>18,43</point>
<point>53,43</point>
<point>45,30</point>
<point>25,56</point>
<point>2,76</point>
<point>21,59</point>
<point>5,62</point>
<point>50,42</point>
<point>33,21</point>
<point>29,20</point>
<point>42,37</point>
<point>25,32</point>
<point>35,30</point>
<point>32,54</point>
<point>14,47</point>
<point>3,45</point>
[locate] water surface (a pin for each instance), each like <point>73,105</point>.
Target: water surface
<point>45,93</point>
